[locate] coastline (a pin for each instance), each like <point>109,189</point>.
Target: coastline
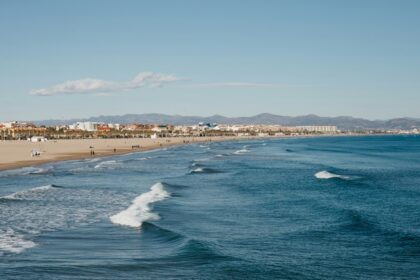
<point>17,154</point>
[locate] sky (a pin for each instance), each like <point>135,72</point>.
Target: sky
<point>82,58</point>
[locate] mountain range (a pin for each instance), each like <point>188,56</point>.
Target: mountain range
<point>342,122</point>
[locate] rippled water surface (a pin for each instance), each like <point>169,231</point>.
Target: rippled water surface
<point>315,208</point>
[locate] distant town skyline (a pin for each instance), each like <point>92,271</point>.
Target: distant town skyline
<point>78,59</point>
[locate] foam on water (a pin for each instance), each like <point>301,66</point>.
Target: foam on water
<point>28,213</point>
<point>12,242</point>
<point>23,171</point>
<point>198,170</point>
<point>329,175</point>
<point>242,151</point>
<point>40,171</point>
<point>106,164</point>
<point>140,211</point>
<point>144,158</point>
<point>204,170</point>
<point>93,160</point>
<point>24,194</point>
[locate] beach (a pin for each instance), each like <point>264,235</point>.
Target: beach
<point>295,208</point>
<point>16,154</point>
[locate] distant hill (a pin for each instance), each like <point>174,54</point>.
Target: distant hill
<point>342,122</point>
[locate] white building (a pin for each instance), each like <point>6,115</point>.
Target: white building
<point>85,126</point>
<point>10,124</point>
<point>115,126</point>
<point>318,128</point>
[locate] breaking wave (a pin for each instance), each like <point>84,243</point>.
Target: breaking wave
<point>203,170</point>
<point>198,170</point>
<point>324,175</point>
<point>21,195</point>
<point>24,171</point>
<point>144,158</point>
<point>93,160</point>
<point>140,210</point>
<point>106,164</point>
<point>241,151</point>
<point>12,242</point>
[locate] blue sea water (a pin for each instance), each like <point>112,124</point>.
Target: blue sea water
<point>312,208</point>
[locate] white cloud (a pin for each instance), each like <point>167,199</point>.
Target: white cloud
<point>142,80</point>
<point>100,87</point>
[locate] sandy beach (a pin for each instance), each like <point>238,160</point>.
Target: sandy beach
<point>15,154</point>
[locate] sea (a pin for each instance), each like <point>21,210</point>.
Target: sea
<point>294,208</point>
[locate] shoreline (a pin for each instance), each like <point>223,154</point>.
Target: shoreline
<point>16,154</point>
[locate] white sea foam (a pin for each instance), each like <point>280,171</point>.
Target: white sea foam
<point>140,211</point>
<point>329,175</point>
<point>48,208</point>
<point>144,158</point>
<point>106,164</point>
<point>25,193</point>
<point>23,171</point>
<point>39,170</point>
<point>198,170</point>
<point>13,242</point>
<point>93,159</point>
<point>241,151</point>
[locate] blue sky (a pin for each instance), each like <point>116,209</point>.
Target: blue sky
<point>63,59</point>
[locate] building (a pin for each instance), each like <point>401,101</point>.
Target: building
<point>20,130</point>
<point>85,126</point>
<point>318,128</point>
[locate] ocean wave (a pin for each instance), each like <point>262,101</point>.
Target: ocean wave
<point>198,170</point>
<point>324,175</point>
<point>13,242</point>
<point>241,151</point>
<point>133,159</point>
<point>144,158</point>
<point>24,171</point>
<point>196,164</point>
<point>49,208</point>
<point>40,171</point>
<point>106,164</point>
<point>204,170</point>
<point>199,252</point>
<point>140,211</point>
<point>25,194</point>
<point>93,160</point>
<point>161,235</point>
